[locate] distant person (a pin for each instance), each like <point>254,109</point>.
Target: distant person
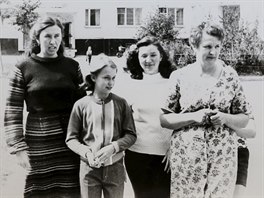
<point>89,54</point>
<point>120,51</point>
<point>146,160</point>
<point>205,105</point>
<point>101,127</point>
<point>48,82</point>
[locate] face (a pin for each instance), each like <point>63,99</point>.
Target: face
<point>50,41</point>
<point>105,80</point>
<point>209,49</point>
<point>149,59</point>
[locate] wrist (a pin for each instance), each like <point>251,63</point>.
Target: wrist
<point>87,154</point>
<point>226,118</point>
<point>113,149</point>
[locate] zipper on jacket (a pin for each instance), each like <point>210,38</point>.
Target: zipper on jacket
<point>103,122</point>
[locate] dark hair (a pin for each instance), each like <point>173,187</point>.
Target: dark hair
<point>37,28</point>
<point>102,62</point>
<point>210,29</point>
<point>133,65</point>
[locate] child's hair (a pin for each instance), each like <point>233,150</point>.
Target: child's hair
<point>98,64</point>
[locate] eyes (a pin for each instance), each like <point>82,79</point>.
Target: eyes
<point>152,55</point>
<point>108,78</point>
<point>50,36</point>
<point>211,46</point>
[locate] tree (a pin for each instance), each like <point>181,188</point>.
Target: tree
<point>242,45</point>
<point>3,15</point>
<point>161,26</point>
<point>24,16</point>
<point>230,22</point>
<point>158,25</point>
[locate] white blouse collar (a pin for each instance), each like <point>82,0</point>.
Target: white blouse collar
<point>153,77</point>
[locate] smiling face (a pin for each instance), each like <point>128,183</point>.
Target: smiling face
<point>104,81</point>
<point>50,41</point>
<point>209,49</point>
<point>149,59</point>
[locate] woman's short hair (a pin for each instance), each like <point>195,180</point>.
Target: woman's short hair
<point>133,65</point>
<point>37,28</point>
<point>98,64</point>
<point>208,28</point>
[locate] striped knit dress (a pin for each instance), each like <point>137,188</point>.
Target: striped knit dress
<point>49,87</point>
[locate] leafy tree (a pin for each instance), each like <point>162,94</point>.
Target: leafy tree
<point>230,22</point>
<point>24,16</point>
<point>162,27</point>
<point>242,45</point>
<point>158,25</point>
<point>3,15</point>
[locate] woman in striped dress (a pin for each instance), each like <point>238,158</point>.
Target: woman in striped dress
<point>48,82</point>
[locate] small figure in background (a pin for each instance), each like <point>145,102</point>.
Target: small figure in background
<point>120,51</point>
<point>89,53</point>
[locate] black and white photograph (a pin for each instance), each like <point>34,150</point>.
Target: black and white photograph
<point>131,99</point>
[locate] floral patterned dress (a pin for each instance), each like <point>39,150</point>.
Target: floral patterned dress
<point>204,157</point>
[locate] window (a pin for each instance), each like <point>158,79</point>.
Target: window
<point>92,17</point>
<point>176,13</point>
<point>129,16</point>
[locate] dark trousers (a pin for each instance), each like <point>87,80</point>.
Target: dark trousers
<point>147,175</point>
<point>242,166</point>
<point>89,58</point>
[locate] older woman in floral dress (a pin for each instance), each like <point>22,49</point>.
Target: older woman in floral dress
<point>206,103</point>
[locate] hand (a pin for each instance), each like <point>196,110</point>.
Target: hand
<point>23,159</point>
<point>104,153</point>
<point>218,118</point>
<point>92,162</point>
<point>201,115</point>
<point>167,159</point>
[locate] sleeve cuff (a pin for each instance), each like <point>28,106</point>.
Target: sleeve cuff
<point>115,146</point>
<point>19,147</point>
<point>84,150</point>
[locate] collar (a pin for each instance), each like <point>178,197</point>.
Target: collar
<point>153,77</point>
<point>99,101</point>
<point>41,59</point>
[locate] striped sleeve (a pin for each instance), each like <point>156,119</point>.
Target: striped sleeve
<point>81,92</point>
<point>80,76</point>
<point>13,121</point>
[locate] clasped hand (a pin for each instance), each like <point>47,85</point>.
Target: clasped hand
<point>97,159</point>
<point>209,116</point>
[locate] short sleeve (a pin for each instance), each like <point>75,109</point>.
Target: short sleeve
<point>239,103</point>
<point>172,101</point>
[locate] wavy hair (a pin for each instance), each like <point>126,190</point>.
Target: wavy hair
<point>210,29</point>
<point>133,65</point>
<point>37,28</point>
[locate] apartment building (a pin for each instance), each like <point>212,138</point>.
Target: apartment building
<point>107,24</point>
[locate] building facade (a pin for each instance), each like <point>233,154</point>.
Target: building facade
<point>107,24</point>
